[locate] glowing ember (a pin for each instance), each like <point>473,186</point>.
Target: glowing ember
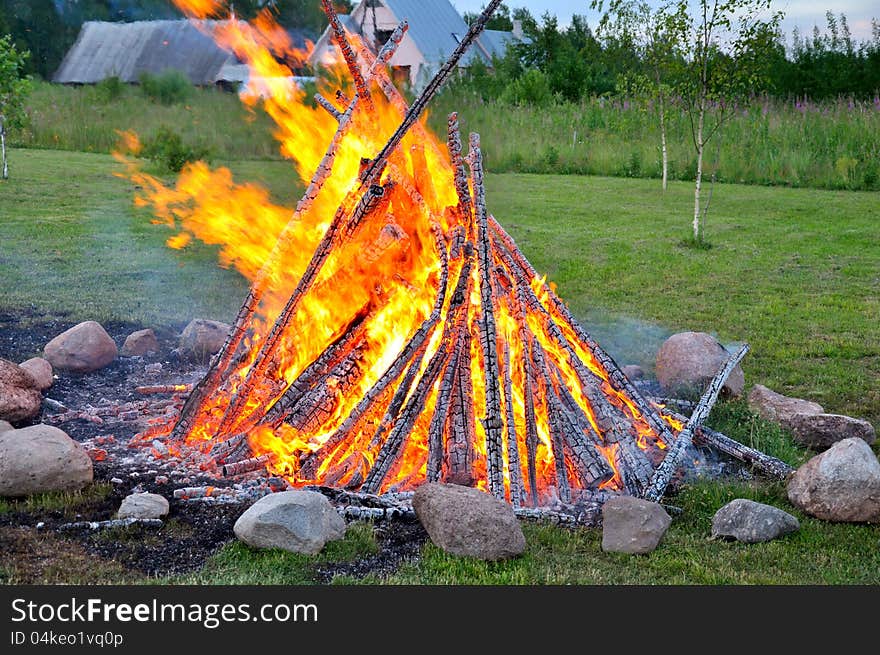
<point>393,333</point>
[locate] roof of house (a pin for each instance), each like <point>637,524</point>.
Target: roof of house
<point>434,25</point>
<point>127,50</point>
<point>496,41</point>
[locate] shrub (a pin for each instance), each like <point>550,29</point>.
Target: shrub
<point>532,88</point>
<point>167,149</point>
<point>110,88</point>
<point>169,88</point>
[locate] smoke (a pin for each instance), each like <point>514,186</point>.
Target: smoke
<point>628,340</point>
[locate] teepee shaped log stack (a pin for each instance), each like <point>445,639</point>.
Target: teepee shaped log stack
<point>498,386</point>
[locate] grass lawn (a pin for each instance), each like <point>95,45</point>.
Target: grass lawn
<point>794,272</point>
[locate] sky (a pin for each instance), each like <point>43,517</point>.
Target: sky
<point>802,14</point>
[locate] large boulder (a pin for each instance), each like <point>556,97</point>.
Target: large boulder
<point>687,362</point>
<point>632,525</point>
<point>41,458</point>
<point>775,407</point>
<point>5,426</point>
<point>298,521</point>
<point>81,349</point>
<point>821,431</point>
<point>140,343</point>
<point>841,484</point>
<point>41,371</point>
<point>750,522</point>
<point>143,506</point>
<point>468,522</point>
<point>202,338</point>
<point>19,397</point>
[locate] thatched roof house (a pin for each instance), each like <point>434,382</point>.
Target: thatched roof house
<point>128,50</point>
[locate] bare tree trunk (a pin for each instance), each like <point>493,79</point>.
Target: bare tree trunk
<point>700,145</point>
<point>663,150</point>
<point>5,173</point>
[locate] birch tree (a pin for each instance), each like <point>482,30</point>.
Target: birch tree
<point>14,87</point>
<point>721,41</point>
<point>655,35</point>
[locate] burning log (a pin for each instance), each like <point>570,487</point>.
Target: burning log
<point>163,388</point>
<point>220,364</point>
<point>453,144</point>
<point>112,523</point>
<point>492,423</point>
<point>676,454</point>
<point>517,494</point>
<point>246,466</point>
<point>348,55</point>
<point>765,464</point>
<point>616,375</point>
<point>329,107</point>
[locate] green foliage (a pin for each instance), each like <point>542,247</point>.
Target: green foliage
<point>765,142</point>
<point>14,84</point>
<point>167,149</point>
<point>110,88</point>
<point>533,88</point>
<point>168,88</point>
<point>81,118</point>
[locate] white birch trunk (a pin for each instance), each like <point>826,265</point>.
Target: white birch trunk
<point>699,182</point>
<point>664,153</point>
<point>5,173</point>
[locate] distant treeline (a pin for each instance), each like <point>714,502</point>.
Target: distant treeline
<point>572,63</point>
<point>47,28</point>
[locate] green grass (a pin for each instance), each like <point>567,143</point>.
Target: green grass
<point>85,119</point>
<point>833,145</point>
<point>238,564</point>
<point>820,553</point>
<point>68,502</point>
<point>794,272</point>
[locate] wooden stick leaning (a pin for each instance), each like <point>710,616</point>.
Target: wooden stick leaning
<point>678,451</point>
<point>220,363</point>
<point>493,422</point>
<point>369,177</point>
<point>763,463</point>
<point>616,376</point>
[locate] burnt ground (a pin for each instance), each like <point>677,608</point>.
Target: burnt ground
<point>34,548</point>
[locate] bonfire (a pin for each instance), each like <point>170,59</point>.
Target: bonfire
<point>394,333</point>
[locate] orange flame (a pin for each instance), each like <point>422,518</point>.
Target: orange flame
<point>385,277</point>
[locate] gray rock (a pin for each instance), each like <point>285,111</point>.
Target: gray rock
<point>821,431</point>
<point>41,458</point>
<point>687,362</point>
<point>83,348</point>
<point>140,343</point>
<point>468,522</point>
<point>202,338</point>
<point>19,397</point>
<point>5,426</point>
<point>633,525</point>
<point>41,371</point>
<point>633,372</point>
<point>298,521</point>
<point>750,522</point>
<point>841,484</point>
<point>775,407</point>
<point>143,506</point>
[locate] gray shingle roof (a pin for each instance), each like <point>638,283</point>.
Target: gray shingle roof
<point>128,50</point>
<point>434,25</point>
